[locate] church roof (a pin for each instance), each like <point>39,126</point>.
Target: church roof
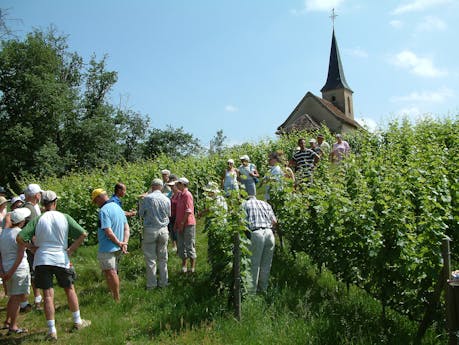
<point>311,120</point>
<point>335,78</point>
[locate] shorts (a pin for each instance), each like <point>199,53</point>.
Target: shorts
<point>44,276</point>
<point>19,283</point>
<point>109,261</point>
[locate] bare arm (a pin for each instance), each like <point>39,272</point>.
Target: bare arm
<point>76,244</point>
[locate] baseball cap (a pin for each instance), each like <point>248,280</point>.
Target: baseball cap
<point>312,141</point>
<point>245,158</point>
<point>19,214</point>
<point>16,199</point>
<point>157,182</point>
<point>96,192</point>
<point>32,189</point>
<point>165,172</point>
<point>230,161</point>
<point>48,196</point>
<point>183,180</point>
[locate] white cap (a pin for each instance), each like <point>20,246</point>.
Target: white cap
<point>19,214</point>
<point>183,180</point>
<point>312,141</point>
<point>16,199</point>
<point>157,182</point>
<point>165,172</point>
<point>245,158</point>
<point>32,189</point>
<point>231,161</point>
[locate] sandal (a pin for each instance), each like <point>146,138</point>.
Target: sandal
<point>17,331</point>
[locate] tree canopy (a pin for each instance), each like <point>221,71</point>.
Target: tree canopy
<point>55,110</point>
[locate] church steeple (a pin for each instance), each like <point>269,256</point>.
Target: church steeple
<point>336,89</point>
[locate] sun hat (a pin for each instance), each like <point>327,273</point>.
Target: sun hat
<point>165,172</point>
<point>48,196</point>
<point>96,192</point>
<point>230,161</point>
<point>211,187</point>
<point>245,158</point>
<point>183,180</point>
<point>2,200</point>
<point>19,214</point>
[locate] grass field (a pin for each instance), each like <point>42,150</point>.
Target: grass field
<point>303,306</point>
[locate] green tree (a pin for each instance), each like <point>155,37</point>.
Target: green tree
<point>174,142</point>
<point>55,112</point>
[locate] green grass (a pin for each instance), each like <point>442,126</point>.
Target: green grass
<point>302,306</point>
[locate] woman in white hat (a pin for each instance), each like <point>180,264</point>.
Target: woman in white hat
<point>14,269</point>
<point>229,180</point>
<point>248,175</point>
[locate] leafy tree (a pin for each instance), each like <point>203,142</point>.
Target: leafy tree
<point>174,142</point>
<point>55,113</point>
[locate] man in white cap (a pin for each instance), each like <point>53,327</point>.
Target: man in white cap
<point>185,225</point>
<point>32,201</point>
<point>155,209</point>
<point>14,269</point>
<point>165,174</point>
<point>113,235</point>
<point>52,231</point>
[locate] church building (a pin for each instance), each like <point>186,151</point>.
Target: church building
<point>334,109</point>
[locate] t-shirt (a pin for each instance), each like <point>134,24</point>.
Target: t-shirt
<point>185,204</point>
<point>110,216</point>
<point>305,160</point>
<point>116,200</point>
<point>52,231</point>
<point>9,250</point>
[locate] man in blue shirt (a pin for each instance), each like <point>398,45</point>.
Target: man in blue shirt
<point>113,236</point>
<point>120,191</point>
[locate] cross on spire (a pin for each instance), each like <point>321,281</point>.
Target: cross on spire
<point>333,16</point>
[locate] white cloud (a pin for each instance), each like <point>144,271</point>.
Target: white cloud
<point>397,24</point>
<point>431,24</point>
<point>322,5</point>
<point>418,5</point>
<point>439,96</point>
<point>420,66</point>
<point>357,52</point>
<point>231,108</point>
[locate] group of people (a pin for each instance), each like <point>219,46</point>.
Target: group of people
<point>34,241</point>
<point>34,249</point>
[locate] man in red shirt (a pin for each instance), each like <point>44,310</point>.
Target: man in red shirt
<point>185,225</point>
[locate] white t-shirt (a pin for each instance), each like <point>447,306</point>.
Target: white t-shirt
<point>51,238</point>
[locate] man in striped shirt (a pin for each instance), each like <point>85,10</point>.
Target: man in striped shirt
<point>260,221</point>
<point>304,161</point>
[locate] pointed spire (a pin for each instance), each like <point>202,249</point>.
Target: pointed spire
<point>335,79</point>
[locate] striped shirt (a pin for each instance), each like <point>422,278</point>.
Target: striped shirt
<point>260,214</point>
<point>305,161</point>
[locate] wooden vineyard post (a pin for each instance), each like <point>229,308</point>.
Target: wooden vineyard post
<point>237,276</point>
<point>450,292</point>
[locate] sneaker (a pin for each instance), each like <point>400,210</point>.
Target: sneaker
<point>51,337</point>
<point>184,269</point>
<point>26,309</point>
<point>83,324</point>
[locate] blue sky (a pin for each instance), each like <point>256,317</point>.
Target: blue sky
<point>242,66</point>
